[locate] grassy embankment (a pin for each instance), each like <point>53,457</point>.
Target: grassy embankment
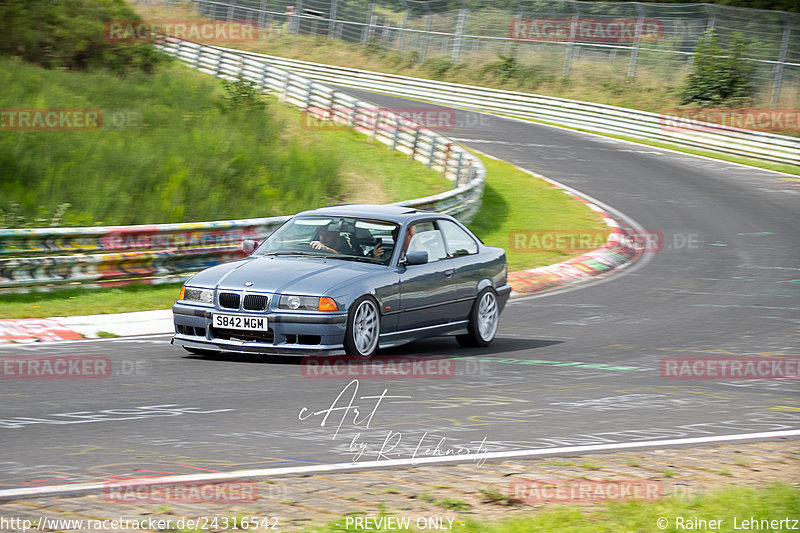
<point>592,79</point>
<point>733,508</point>
<point>775,502</point>
<point>192,159</point>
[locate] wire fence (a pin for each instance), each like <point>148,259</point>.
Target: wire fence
<point>559,37</point>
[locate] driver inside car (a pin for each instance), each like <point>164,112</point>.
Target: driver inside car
<point>332,241</point>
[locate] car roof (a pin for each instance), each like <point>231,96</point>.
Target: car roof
<point>393,213</point>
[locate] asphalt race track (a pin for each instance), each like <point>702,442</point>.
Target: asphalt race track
<point>569,368</point>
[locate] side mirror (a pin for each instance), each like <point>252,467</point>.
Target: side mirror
<point>249,246</point>
<point>416,258</point>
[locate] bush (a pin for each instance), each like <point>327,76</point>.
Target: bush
<point>717,77</point>
<point>70,34</point>
<point>243,94</point>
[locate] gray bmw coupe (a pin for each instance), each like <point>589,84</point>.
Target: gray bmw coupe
<point>347,279</point>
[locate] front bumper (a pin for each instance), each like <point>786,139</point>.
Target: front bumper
<point>288,333</point>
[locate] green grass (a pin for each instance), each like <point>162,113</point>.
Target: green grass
<point>452,503</point>
<point>83,301</point>
<point>373,172</point>
<point>186,156</point>
<point>774,502</point>
<point>515,201</point>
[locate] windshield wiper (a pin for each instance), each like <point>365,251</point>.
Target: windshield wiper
<point>359,259</point>
<point>294,253</point>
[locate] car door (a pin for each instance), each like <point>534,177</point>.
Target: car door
<point>469,270</point>
<point>427,291</point>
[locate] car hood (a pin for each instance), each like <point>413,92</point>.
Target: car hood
<point>288,275</point>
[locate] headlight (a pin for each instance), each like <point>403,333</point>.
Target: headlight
<point>307,303</point>
<point>203,296</point>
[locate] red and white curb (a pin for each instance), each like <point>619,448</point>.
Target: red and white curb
<point>30,330</point>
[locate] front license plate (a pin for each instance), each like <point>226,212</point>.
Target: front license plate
<point>252,323</point>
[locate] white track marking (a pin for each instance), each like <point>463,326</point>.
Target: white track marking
<point>83,488</point>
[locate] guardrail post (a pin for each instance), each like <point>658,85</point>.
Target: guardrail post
<point>219,63</point>
<point>414,145</point>
<point>458,169</point>
<point>285,91</point>
<point>354,115</point>
<point>396,131</point>
<point>432,156</point>
<point>778,78</point>
<point>375,126</point>
<point>331,103</point>
<point>446,158</point>
<point>309,90</point>
<point>264,77</point>
<point>230,11</point>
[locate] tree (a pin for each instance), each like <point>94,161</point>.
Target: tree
<point>718,77</point>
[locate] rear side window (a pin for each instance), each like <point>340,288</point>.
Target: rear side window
<point>458,241</point>
<point>428,239</point>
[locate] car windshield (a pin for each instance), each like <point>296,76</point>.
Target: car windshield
<point>348,238</point>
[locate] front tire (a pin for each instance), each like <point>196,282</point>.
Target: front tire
<point>363,328</point>
<point>483,321</point>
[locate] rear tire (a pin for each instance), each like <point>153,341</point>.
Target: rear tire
<point>363,328</point>
<point>483,321</point>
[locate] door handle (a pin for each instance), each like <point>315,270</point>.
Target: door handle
<point>449,273</point>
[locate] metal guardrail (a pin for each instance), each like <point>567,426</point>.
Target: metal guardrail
<point>155,253</point>
<point>557,37</point>
<point>572,113</point>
